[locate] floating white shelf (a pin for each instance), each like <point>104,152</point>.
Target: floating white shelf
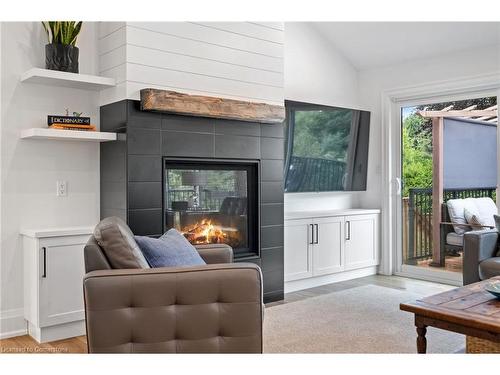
<point>67,135</point>
<point>65,79</point>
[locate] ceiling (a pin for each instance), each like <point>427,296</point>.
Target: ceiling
<point>374,44</point>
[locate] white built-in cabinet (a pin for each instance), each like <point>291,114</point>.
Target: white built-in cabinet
<point>330,243</point>
<point>361,241</point>
<point>298,255</point>
<point>53,282</point>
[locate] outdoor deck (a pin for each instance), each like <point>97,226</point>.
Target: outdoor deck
<point>418,225</point>
<point>453,264</point>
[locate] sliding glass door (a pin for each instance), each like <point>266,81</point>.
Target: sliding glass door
<point>440,154</point>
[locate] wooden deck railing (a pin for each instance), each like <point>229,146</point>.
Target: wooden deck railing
<point>315,174</point>
<point>211,200</point>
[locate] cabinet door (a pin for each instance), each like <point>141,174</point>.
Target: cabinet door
<point>328,248</point>
<point>361,244</point>
<point>298,262</point>
<point>61,279</point>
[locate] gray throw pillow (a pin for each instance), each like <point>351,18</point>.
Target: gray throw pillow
<point>117,242</point>
<point>472,217</point>
<point>170,250</point>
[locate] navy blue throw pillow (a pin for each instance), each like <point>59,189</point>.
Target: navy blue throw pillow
<point>170,250</point>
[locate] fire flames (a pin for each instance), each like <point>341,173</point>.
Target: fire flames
<point>206,232</point>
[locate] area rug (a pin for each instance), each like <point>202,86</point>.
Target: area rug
<point>364,319</point>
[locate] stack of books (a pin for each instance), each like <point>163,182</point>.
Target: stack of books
<point>70,123</point>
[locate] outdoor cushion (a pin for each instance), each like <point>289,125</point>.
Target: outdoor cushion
<point>483,208</point>
<point>455,239</point>
<point>486,208</point>
<point>170,250</point>
<point>117,242</point>
<point>456,209</point>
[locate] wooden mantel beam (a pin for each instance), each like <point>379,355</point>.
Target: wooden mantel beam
<point>207,106</point>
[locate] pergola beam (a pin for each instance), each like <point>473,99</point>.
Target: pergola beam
<point>460,113</point>
<point>484,118</point>
<point>470,108</point>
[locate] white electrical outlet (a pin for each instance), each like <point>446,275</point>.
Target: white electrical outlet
<point>62,188</point>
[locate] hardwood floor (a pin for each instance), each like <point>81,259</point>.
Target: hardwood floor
<point>25,344</point>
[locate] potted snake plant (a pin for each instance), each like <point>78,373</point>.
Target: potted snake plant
<point>61,52</point>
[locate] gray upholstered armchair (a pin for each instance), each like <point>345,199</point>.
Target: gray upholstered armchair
<point>481,256</point>
<point>215,308</point>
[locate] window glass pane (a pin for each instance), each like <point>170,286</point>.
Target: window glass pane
<point>208,205</point>
<point>322,134</point>
<point>327,148</point>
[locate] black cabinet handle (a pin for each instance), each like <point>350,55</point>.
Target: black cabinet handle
<point>44,274</point>
<point>312,234</point>
<point>317,234</point>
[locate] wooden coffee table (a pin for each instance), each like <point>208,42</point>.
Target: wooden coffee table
<point>469,310</point>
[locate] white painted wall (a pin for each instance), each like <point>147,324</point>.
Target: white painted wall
<point>233,60</point>
<point>373,82</point>
<point>238,60</point>
<point>315,72</point>
<point>30,168</point>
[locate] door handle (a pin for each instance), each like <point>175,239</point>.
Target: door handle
<point>399,185</point>
<point>348,230</point>
<point>312,234</point>
<point>44,250</point>
<point>317,234</point>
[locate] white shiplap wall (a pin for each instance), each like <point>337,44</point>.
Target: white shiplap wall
<point>239,60</point>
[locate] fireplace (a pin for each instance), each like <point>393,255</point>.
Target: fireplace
<point>213,201</point>
<point>215,180</point>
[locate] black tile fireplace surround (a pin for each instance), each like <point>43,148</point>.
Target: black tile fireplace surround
<point>133,169</point>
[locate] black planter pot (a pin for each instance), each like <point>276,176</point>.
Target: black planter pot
<point>61,57</point>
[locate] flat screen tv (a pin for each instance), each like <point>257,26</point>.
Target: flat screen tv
<point>326,148</point>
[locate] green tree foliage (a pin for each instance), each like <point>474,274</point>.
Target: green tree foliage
<point>417,154</point>
<point>481,103</point>
<point>322,134</point>
<point>216,179</point>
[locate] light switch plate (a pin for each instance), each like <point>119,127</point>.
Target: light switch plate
<point>62,188</point>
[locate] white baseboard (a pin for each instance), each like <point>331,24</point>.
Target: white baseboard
<point>12,323</point>
<point>57,332</point>
<point>311,282</point>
